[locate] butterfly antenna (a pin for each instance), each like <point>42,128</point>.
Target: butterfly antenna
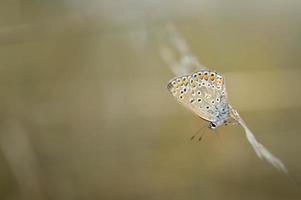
<point>196,133</point>
<point>200,138</point>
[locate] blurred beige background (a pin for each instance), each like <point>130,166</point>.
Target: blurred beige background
<point>85,113</point>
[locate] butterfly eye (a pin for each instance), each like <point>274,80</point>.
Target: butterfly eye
<point>199,99</point>
<point>181,97</point>
<point>191,100</point>
<point>217,99</point>
<point>184,89</point>
<point>207,107</point>
<point>194,75</point>
<point>212,102</point>
<point>200,73</point>
<point>199,92</point>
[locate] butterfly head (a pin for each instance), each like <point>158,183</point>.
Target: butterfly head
<point>215,124</point>
<point>212,125</point>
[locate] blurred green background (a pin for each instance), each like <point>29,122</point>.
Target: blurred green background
<point>85,113</point>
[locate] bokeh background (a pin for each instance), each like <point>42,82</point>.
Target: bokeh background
<point>85,114</point>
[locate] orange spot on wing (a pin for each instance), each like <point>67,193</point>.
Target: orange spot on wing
<point>222,80</point>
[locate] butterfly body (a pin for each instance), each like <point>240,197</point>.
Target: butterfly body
<point>204,93</point>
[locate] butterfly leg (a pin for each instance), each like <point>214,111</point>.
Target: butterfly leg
<point>230,122</point>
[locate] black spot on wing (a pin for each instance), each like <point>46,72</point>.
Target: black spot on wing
<point>169,85</point>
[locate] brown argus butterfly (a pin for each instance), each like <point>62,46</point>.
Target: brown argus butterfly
<point>204,93</point>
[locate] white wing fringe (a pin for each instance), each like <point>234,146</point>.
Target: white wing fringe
<point>260,150</point>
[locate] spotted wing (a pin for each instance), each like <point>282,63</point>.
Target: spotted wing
<point>202,92</point>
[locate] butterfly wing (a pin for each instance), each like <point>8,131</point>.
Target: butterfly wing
<point>202,92</point>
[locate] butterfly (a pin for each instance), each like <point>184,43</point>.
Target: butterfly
<point>204,93</point>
